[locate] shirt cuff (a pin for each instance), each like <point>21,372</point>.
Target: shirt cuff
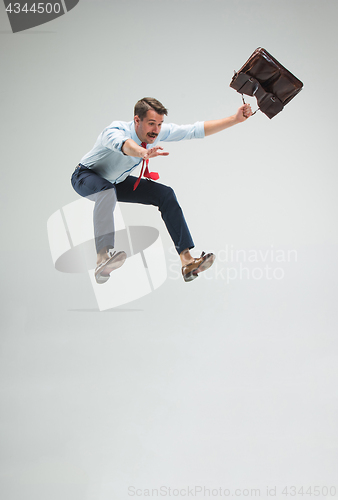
<point>124,140</point>
<point>200,133</point>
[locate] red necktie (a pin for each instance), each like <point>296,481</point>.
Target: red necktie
<point>149,175</point>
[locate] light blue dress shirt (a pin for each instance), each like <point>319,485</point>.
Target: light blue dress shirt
<point>106,157</point>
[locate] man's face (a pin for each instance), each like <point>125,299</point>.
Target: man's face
<point>148,129</point>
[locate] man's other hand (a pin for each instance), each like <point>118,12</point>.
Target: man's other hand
<point>153,152</point>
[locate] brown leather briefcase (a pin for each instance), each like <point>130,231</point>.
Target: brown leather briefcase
<point>265,78</point>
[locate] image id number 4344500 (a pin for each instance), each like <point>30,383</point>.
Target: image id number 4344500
<point>323,491</point>
<point>35,8</point>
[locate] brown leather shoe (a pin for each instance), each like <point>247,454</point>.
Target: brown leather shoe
<point>191,271</point>
<point>114,261</point>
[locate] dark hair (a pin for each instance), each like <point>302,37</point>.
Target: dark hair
<point>143,105</point>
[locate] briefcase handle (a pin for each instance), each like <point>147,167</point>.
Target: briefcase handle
<point>245,103</point>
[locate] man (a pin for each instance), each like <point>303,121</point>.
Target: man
<point>103,175</point>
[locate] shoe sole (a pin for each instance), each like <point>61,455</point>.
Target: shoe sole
<point>208,262</point>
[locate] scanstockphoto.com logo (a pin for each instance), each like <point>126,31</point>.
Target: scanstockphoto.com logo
<point>71,241</point>
<point>24,15</point>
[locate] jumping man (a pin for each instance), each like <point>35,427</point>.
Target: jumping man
<point>103,175</point>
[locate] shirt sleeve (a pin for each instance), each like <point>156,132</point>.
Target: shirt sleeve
<point>172,132</point>
<point>114,138</point>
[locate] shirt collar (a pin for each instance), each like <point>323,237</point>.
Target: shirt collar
<point>134,134</point>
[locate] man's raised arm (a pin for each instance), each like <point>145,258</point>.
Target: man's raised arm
<point>214,126</point>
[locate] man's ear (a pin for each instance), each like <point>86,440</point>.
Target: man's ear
<point>137,120</point>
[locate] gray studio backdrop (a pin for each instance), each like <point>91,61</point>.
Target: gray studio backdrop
<point>228,383</point>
